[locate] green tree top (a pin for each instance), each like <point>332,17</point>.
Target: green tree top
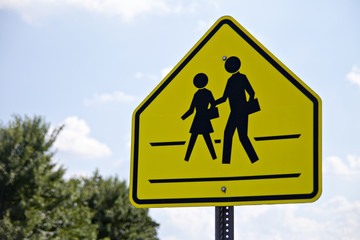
<point>115,216</point>
<point>26,166</point>
<point>36,202</point>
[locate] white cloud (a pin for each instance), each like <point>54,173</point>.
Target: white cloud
<point>216,4</point>
<point>153,77</point>
<point>74,138</point>
<point>354,75</point>
<point>119,163</point>
<point>185,223</point>
<point>31,10</point>
<point>354,162</point>
<point>127,9</point>
<point>203,26</point>
<point>252,212</point>
<point>340,218</point>
<point>336,218</point>
<point>298,223</point>
<point>336,165</point>
<point>165,71</point>
<point>116,96</point>
<point>140,75</point>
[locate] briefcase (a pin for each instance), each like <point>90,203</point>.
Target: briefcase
<point>213,112</point>
<point>253,106</point>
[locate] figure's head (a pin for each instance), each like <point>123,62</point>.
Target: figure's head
<point>200,80</point>
<point>232,64</point>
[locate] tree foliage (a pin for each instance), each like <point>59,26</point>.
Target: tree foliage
<point>36,202</point>
<point>115,216</point>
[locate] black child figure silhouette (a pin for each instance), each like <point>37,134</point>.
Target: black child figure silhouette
<point>201,123</point>
<point>235,89</point>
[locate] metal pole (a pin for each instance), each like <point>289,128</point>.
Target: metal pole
<point>224,223</point>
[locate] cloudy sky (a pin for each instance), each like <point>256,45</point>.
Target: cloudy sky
<point>89,63</point>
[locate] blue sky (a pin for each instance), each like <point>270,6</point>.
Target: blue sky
<point>88,64</point>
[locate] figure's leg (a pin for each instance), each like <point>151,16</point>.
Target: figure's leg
<point>244,139</point>
<point>228,137</point>
<point>190,146</point>
<point>210,145</point>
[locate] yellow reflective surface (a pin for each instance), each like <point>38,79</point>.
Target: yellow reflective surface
<point>288,108</point>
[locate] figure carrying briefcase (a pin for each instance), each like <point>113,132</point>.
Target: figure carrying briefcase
<point>253,106</point>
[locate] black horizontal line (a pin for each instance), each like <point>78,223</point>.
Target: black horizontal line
<point>277,137</point>
<point>155,144</point>
<point>174,143</point>
<point>217,179</point>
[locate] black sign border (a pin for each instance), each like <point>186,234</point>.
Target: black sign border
<point>231,200</point>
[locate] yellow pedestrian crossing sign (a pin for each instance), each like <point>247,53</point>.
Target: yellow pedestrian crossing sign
<point>229,125</point>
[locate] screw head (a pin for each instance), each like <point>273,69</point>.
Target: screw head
<point>224,58</point>
<point>223,189</point>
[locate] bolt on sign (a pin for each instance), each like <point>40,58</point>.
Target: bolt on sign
<point>229,125</point>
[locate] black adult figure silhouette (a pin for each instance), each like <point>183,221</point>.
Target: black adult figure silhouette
<point>235,89</point>
<point>201,123</point>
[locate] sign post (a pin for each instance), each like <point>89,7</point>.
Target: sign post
<point>224,223</point>
<point>229,125</point>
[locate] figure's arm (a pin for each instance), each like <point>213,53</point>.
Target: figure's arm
<point>189,112</point>
<point>224,97</point>
<point>249,89</point>
<point>212,101</point>
<point>220,100</point>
